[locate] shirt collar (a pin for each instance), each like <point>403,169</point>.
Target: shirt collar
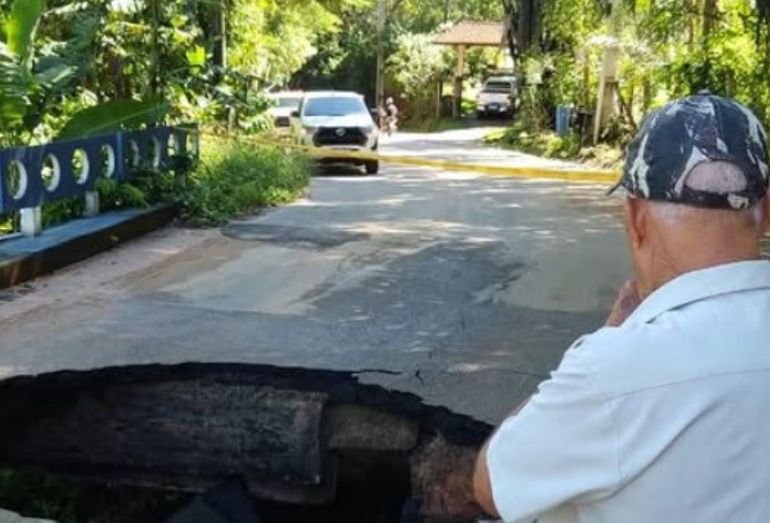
<point>703,284</point>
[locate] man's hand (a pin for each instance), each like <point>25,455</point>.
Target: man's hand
<point>626,303</point>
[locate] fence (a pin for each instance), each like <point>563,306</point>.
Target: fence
<point>32,176</point>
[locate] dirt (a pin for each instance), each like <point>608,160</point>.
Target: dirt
<point>106,274</point>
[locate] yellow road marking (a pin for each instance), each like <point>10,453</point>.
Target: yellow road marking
<point>548,173</point>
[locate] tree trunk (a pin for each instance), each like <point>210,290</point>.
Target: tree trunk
<point>510,24</point>
<point>605,103</point>
<point>709,17</point>
<point>219,33</point>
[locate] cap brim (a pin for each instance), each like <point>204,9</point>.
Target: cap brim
<point>615,187</point>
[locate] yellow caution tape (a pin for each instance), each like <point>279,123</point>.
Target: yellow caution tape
<point>548,173</point>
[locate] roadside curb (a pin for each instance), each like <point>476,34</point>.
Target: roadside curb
<point>22,259</point>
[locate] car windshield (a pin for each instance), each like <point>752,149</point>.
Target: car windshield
<point>287,101</point>
<point>498,87</point>
<point>334,106</point>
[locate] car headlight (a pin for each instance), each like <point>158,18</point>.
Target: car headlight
<point>309,129</point>
<point>369,129</point>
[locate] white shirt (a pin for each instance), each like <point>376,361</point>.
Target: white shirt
<point>664,419</point>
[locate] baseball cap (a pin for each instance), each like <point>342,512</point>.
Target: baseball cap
<point>684,133</point>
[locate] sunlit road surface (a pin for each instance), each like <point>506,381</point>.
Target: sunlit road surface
<point>462,288</point>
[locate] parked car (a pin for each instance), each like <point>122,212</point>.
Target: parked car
<point>284,102</point>
<point>497,97</point>
<point>337,120</point>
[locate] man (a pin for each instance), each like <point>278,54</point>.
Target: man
<point>663,415</point>
<point>391,110</point>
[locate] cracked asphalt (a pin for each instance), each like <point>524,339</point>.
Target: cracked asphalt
<point>461,288</point>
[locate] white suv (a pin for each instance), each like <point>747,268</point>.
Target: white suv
<point>497,97</point>
<point>336,120</point>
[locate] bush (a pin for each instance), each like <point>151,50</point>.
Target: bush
<point>544,143</point>
<point>549,145</point>
<point>236,177</point>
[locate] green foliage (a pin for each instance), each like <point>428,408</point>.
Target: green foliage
<point>20,28</point>
<point>417,63</point>
<point>669,48</point>
<point>234,178</point>
<point>271,40</point>
<point>547,144</point>
<point>113,116</point>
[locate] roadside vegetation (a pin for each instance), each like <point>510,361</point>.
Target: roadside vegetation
<point>661,51</point>
<point>236,177</point>
<point>547,144</point>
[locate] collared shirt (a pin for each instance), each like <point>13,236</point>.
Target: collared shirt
<point>663,419</point>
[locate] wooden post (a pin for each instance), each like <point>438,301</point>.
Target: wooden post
<point>459,73</point>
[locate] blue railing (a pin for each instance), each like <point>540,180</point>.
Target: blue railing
<point>32,176</point>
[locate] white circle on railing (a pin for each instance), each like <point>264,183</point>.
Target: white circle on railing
<point>50,172</point>
<point>155,151</point>
<point>80,166</point>
<point>133,153</point>
<point>172,146</point>
<point>107,155</point>
<point>16,179</point>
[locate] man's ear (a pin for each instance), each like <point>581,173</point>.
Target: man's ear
<point>765,214</point>
<point>636,222</point>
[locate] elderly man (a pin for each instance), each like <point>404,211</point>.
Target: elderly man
<point>663,415</point>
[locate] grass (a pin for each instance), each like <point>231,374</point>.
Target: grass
<point>235,177</point>
<point>548,144</point>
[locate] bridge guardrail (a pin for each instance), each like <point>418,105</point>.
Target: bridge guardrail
<point>31,176</point>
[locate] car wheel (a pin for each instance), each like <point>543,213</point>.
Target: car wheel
<point>372,167</point>
<point>480,115</point>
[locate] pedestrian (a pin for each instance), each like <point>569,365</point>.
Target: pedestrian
<point>662,415</point>
<point>391,111</point>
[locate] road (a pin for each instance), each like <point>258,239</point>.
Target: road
<point>462,288</point>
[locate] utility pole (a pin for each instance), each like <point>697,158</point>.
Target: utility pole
<point>605,101</point>
<point>382,12</point>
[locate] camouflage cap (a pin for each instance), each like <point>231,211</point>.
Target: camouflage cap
<point>686,132</point>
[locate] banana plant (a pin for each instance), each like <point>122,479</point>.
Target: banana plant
<point>25,84</point>
<point>30,83</point>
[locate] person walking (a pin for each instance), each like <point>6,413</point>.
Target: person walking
<point>662,414</point>
<point>391,112</point>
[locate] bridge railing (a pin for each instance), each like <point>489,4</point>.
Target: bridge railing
<point>34,175</point>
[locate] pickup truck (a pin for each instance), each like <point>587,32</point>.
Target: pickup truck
<point>497,97</point>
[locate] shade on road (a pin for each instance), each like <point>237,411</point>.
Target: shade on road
<point>461,288</point>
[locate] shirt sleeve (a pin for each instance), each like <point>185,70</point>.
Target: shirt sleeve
<point>561,448</point>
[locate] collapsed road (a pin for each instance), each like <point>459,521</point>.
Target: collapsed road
<point>384,323</point>
<point>294,436</point>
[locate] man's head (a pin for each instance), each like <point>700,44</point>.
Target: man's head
<point>697,180</point>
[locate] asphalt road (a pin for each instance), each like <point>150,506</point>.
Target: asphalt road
<point>462,288</point>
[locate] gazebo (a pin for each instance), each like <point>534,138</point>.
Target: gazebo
<point>462,36</point>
